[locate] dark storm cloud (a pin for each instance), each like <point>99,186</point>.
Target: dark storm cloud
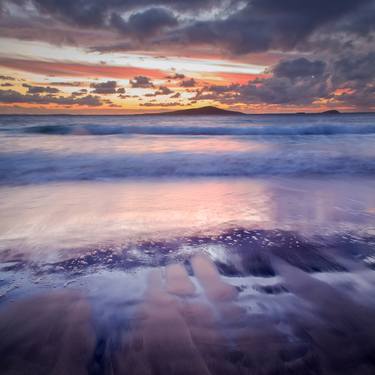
<point>355,74</point>
<point>336,37</point>
<point>355,70</point>
<point>80,12</point>
<point>235,25</point>
<point>268,24</point>
<point>277,90</point>
<point>95,13</point>
<point>303,84</point>
<point>106,88</point>
<point>141,82</point>
<point>360,21</point>
<point>146,23</point>
<point>299,68</point>
<point>13,97</point>
<point>40,89</point>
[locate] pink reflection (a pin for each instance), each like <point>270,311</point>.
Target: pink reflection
<point>41,218</point>
<point>190,144</point>
<point>133,145</point>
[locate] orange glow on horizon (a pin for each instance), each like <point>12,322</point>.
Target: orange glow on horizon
<point>74,82</point>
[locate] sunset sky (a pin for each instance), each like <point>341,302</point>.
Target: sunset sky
<point>125,56</point>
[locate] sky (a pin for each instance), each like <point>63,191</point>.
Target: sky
<point>136,56</point>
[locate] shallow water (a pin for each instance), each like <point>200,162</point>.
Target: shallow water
<point>107,268</point>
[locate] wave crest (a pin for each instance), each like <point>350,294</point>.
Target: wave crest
<point>263,130</point>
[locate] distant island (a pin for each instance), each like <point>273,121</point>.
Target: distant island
<point>215,111</point>
<point>329,112</point>
<point>201,111</point>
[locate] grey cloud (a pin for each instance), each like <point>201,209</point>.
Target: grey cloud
<point>233,25</point>
<point>146,23</point>
<point>168,104</point>
<point>355,69</point>
<point>302,81</point>
<point>141,82</point>
<point>298,68</point>
<point>283,87</point>
<point>336,36</point>
<point>106,88</point>
<point>176,76</point>
<point>95,13</point>
<point>360,21</point>
<point>359,99</point>
<point>67,84</point>
<point>79,92</point>
<point>163,90</point>
<point>188,83</point>
<point>124,96</point>
<point>40,89</point>
<point>12,97</point>
<point>356,74</point>
<point>7,78</point>
<point>271,24</point>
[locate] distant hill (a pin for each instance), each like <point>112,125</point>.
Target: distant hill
<point>201,111</point>
<point>331,112</point>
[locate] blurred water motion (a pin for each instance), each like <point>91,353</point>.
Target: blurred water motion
<point>178,277</point>
<point>49,217</point>
<point>188,319</point>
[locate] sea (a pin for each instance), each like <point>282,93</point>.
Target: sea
<point>148,244</point>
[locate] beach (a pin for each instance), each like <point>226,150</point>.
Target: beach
<point>174,245</point>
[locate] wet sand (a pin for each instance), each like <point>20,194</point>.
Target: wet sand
<point>291,291</point>
<point>285,306</point>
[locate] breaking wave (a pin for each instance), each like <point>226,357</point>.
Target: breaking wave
<point>276,130</point>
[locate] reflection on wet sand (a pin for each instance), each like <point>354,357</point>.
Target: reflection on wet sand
<point>49,220</point>
<point>244,302</point>
<point>209,277</point>
<point>161,342</point>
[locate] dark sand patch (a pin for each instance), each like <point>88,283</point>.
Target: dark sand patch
<point>49,334</point>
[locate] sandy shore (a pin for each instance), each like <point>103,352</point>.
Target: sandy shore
<point>243,302</point>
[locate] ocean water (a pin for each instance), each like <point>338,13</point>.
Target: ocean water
<point>187,245</point>
<point>37,149</point>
